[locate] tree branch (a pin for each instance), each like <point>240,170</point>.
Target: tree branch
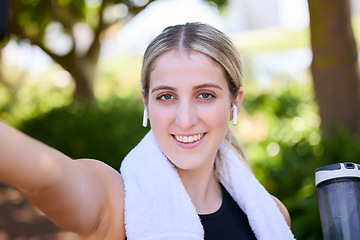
<point>35,40</point>
<point>94,48</point>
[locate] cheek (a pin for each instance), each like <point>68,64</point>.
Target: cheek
<point>159,117</point>
<point>216,114</point>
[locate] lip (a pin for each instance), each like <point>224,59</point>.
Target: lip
<point>189,144</point>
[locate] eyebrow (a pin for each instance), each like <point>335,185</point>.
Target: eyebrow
<point>162,87</point>
<point>205,85</point>
<point>208,85</point>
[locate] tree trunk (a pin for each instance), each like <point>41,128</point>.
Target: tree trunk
<point>83,70</point>
<point>335,64</point>
<point>84,74</point>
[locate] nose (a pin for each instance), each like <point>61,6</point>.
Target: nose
<point>186,115</point>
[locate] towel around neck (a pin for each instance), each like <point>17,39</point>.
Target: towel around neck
<point>157,205</point>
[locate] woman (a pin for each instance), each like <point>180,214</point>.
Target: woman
<point>182,180</point>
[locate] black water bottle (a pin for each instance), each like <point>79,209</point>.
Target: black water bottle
<point>338,190</point>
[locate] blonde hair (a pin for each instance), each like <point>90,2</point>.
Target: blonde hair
<point>207,40</point>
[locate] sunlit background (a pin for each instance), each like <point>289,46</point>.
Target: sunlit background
<point>245,21</point>
<point>279,123</point>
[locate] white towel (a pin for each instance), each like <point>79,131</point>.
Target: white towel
<point>157,205</point>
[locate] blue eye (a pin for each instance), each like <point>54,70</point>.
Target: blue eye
<point>207,95</point>
<point>164,97</point>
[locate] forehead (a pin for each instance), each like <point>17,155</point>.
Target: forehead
<point>183,55</point>
<point>178,65</point>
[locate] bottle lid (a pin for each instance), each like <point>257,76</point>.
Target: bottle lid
<point>337,171</point>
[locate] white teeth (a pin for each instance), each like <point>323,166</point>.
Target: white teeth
<point>189,139</point>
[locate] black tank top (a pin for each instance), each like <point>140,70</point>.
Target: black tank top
<point>229,222</point>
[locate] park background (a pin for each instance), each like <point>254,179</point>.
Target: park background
<point>70,77</point>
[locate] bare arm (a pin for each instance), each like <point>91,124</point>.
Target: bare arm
<point>283,210</point>
<point>76,195</point>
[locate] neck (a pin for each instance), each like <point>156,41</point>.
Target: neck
<point>203,189</point>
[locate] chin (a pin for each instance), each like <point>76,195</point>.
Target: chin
<point>191,163</point>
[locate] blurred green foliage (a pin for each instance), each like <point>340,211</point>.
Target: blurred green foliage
<point>105,130</point>
<point>33,16</point>
<point>285,160</point>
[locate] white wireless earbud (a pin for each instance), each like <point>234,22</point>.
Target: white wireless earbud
<point>145,117</point>
<point>235,112</point>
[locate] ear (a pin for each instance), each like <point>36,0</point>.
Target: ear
<point>145,102</point>
<point>238,101</point>
<point>239,98</point>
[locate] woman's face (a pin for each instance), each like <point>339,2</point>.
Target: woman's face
<point>189,107</point>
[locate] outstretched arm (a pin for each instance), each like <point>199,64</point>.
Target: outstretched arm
<point>26,163</point>
<point>76,195</point>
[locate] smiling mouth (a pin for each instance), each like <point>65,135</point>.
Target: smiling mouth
<point>189,139</point>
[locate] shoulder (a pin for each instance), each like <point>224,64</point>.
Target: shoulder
<point>111,219</point>
<point>283,210</point>
<point>105,177</point>
<point>103,173</point>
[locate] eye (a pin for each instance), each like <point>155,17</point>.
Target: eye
<point>207,95</point>
<point>165,97</point>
